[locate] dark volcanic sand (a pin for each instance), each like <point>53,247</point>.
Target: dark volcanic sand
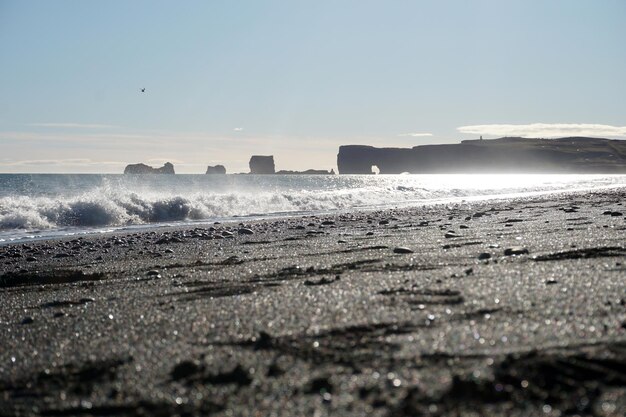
<point>391,313</point>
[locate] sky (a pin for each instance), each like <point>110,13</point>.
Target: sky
<point>296,79</point>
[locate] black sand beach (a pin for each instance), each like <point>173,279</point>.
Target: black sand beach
<point>504,307</point>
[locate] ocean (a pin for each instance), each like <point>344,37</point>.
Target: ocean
<point>39,206</point>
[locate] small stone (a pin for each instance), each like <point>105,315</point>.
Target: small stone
<point>263,341</point>
<point>551,281</point>
<point>383,222</point>
<point>28,320</point>
<point>321,281</point>
<point>226,233</point>
<point>401,249</point>
<point>152,273</point>
<point>451,234</point>
<point>274,370</point>
<point>185,369</point>
<point>327,223</point>
<point>515,250</point>
<point>245,231</point>
<point>168,251</point>
<point>31,259</point>
<point>484,255</point>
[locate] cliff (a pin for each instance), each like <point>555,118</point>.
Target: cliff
<point>217,169</point>
<point>505,155</point>
<point>262,164</point>
<point>168,168</point>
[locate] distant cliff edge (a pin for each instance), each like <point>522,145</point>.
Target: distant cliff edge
<point>217,169</point>
<point>505,155</point>
<point>307,172</point>
<point>168,168</point>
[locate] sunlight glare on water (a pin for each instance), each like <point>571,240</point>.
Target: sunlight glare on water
<point>45,205</point>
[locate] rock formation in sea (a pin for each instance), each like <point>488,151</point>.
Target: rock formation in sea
<point>512,155</point>
<point>307,172</point>
<point>217,169</point>
<point>167,168</point>
<point>260,164</point>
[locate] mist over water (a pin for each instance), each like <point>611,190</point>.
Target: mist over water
<point>43,205</point>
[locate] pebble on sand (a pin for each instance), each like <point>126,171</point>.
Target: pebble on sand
<point>185,369</point>
<point>515,250</point>
<point>401,249</point>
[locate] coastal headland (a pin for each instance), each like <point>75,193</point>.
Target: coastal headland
<point>502,307</point>
<point>505,155</point>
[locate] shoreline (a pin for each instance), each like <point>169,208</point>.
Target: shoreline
<point>73,233</point>
<point>506,306</point>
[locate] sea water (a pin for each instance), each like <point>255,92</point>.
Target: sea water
<point>35,206</point>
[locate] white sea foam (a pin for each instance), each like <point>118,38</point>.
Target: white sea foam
<point>52,203</point>
<point>100,209</point>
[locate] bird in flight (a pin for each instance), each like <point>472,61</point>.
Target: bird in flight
<point>143,90</point>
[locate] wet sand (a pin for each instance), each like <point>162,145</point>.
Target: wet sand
<point>505,307</point>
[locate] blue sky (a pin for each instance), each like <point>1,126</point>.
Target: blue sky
<point>228,79</point>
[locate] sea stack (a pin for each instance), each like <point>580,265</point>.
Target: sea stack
<point>167,168</point>
<point>217,169</point>
<point>260,164</point>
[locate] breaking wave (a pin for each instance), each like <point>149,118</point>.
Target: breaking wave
<point>102,209</point>
<point>114,201</point>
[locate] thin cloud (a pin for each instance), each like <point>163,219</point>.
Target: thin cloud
<point>70,161</point>
<point>546,130</point>
<point>73,125</point>
<point>238,129</point>
<point>415,135</point>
